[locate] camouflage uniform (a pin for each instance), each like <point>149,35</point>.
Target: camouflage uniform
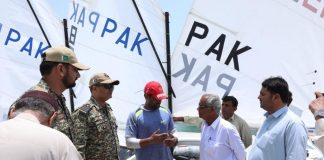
<point>63,121</point>
<point>96,131</point>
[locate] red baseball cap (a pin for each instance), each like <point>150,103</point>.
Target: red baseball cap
<point>155,89</point>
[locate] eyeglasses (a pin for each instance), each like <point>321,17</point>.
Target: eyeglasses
<point>201,107</point>
<point>106,86</point>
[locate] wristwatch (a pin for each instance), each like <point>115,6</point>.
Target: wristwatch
<point>319,114</point>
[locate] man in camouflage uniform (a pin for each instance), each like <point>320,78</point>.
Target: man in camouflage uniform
<point>95,125</point>
<point>59,69</point>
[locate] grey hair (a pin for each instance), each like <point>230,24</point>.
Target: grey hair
<point>213,101</point>
<point>34,104</point>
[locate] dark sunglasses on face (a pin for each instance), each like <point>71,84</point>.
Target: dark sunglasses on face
<point>107,86</point>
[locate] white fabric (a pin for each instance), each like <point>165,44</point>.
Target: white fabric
<point>25,138</point>
<point>116,51</point>
<point>221,141</point>
<point>21,55</point>
<point>319,131</point>
<point>211,56</point>
<point>132,142</point>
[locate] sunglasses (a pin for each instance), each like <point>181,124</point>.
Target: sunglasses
<point>106,86</point>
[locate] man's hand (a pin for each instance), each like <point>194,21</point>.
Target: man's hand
<point>170,141</point>
<point>158,137</point>
<point>155,138</point>
<point>317,104</point>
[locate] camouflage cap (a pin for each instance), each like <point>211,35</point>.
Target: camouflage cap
<point>102,78</point>
<point>63,54</point>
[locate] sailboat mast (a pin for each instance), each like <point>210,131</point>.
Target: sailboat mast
<point>168,54</point>
<point>151,42</point>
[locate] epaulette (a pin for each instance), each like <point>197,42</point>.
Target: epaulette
<point>85,108</point>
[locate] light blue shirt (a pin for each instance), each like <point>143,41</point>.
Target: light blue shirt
<point>283,136</point>
<point>142,123</point>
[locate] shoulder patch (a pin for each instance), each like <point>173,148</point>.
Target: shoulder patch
<point>85,108</point>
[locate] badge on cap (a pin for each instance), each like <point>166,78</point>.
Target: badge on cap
<point>65,58</point>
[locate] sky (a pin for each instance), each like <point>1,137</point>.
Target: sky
<point>178,10</point>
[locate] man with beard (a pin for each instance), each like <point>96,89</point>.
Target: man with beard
<point>95,124</point>
<point>282,135</point>
<point>149,129</point>
<point>59,69</point>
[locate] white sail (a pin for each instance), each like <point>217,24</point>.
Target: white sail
<point>21,44</point>
<point>110,38</point>
<point>230,47</point>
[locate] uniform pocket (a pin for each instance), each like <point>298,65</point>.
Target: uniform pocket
<point>102,125</point>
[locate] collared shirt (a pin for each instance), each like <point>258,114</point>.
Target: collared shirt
<point>220,141</point>
<point>63,121</point>
<point>239,123</point>
<point>282,136</point>
<point>319,132</point>
<point>96,131</point>
<point>243,129</point>
<point>23,137</point>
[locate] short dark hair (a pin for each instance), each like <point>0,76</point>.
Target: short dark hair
<point>94,85</point>
<point>46,67</point>
<point>290,99</point>
<point>232,99</point>
<point>277,85</point>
